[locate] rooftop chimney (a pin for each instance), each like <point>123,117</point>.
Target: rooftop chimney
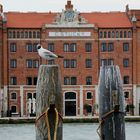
<point>69,6</point>
<point>1,8</point>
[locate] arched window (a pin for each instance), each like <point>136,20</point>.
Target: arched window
<point>70,95</point>
<point>89,95</point>
<point>29,96</point>
<point>125,34</point>
<point>100,34</point>
<point>14,34</point>
<point>34,34</point>
<point>104,34</point>
<point>88,108</point>
<point>10,34</point>
<point>13,95</point>
<point>38,34</point>
<point>129,34</point>
<point>22,34</point>
<point>109,34</point>
<point>26,34</point>
<point>126,94</point>
<point>13,109</point>
<point>18,34</point>
<point>113,34</point>
<point>117,34</point>
<point>121,34</point>
<point>34,95</point>
<point>30,34</point>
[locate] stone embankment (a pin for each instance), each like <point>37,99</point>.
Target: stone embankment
<point>17,120</point>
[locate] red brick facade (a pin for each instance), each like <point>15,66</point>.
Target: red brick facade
<point>113,38</point>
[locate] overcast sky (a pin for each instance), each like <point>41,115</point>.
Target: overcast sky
<point>58,5</point>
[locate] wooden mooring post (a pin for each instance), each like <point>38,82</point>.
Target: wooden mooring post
<point>49,104</point>
<point>111,104</point>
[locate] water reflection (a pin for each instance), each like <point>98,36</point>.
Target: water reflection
<point>72,131</point>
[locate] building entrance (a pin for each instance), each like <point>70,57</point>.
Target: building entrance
<point>70,104</point>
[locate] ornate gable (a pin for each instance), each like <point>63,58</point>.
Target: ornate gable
<point>69,18</point>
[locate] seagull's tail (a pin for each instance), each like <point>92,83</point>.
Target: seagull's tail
<point>59,56</point>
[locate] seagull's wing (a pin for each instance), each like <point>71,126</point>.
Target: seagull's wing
<point>48,53</point>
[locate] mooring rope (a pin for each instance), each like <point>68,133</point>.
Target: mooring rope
<point>105,116</point>
<point>58,115</point>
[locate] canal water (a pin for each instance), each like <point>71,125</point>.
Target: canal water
<point>72,131</point>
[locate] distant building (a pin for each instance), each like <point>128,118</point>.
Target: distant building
<point>86,40</point>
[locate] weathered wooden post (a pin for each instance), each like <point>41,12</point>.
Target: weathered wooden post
<point>49,104</point>
<point>111,104</point>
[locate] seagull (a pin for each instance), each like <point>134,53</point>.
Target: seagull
<point>46,54</point>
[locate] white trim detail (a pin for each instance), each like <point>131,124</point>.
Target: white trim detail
<point>81,100</point>
<point>21,99</point>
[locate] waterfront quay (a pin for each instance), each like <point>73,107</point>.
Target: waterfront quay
<point>93,119</point>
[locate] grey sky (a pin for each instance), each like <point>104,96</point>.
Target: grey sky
<point>58,5</point>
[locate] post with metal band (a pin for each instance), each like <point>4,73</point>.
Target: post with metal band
<point>49,104</point>
<point>111,104</point>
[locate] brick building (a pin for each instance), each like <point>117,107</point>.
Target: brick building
<point>86,40</point>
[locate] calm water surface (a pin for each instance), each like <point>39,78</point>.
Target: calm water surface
<point>84,131</point>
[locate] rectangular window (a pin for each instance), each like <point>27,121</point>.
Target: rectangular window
<point>72,47</point>
<point>70,80</point>
<point>73,80</point>
<point>51,47</point>
<point>125,47</point>
<point>89,80</point>
<point>110,47</point>
<point>51,62</point>
<point>29,80</point>
<point>35,47</point>
<point>66,47</point>
<point>88,47</point>
<point>35,63</point>
<point>13,47</point>
<point>103,47</point>
<point>70,63</point>
<point>13,80</point>
<point>29,47</point>
<point>110,62</point>
<point>126,62</point>
<point>13,63</point>
<point>103,62</point>
<point>66,80</point>
<point>73,63</point>
<point>35,80</point>
<point>29,63</point>
<point>88,63</point>
<point>126,79</point>
<point>66,63</point>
